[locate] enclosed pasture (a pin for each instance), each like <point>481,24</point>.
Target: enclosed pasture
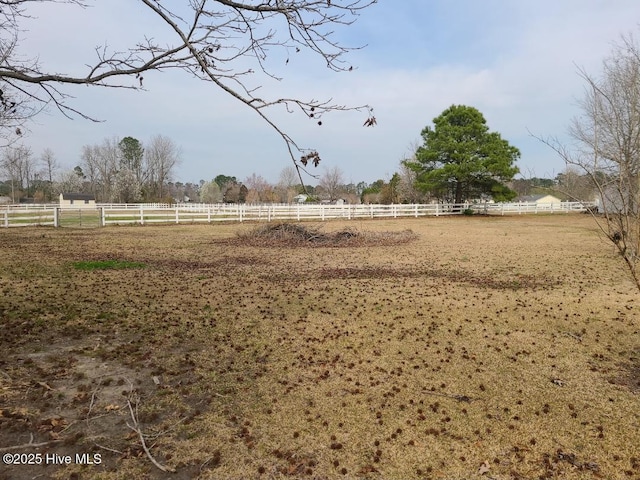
<point>473,348</point>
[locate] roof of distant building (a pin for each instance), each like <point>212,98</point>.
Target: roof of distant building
<point>533,198</point>
<point>77,196</point>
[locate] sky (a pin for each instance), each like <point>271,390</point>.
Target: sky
<point>515,61</point>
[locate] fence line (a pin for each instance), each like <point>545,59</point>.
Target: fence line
<point>127,214</point>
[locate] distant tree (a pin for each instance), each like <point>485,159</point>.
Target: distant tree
<point>178,191</point>
<point>575,185</point>
<point>18,166</point>
<point>461,159</point>
<point>407,191</point>
<point>535,185</point>
<point>68,181</point>
<point>191,191</point>
<point>242,194</point>
<point>288,183</point>
<point>543,182</point>
<point>210,192</point>
<point>288,177</point>
<point>224,180</point>
<point>332,182</point>
<point>126,189</point>
<point>50,167</point>
<point>258,189</point>
<point>89,157</point>
<point>349,193</point>
<point>132,157</point>
<point>389,193</point>
<point>371,193</point>
<point>522,186</point>
<point>101,164</point>
<point>49,164</point>
<point>162,156</point>
<point>235,193</point>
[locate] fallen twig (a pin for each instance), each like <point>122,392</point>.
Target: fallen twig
<point>573,335</point>
<point>136,429</point>
<point>108,449</point>
<point>460,398</point>
<point>93,398</point>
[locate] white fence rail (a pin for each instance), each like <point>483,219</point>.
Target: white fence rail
<point>127,214</point>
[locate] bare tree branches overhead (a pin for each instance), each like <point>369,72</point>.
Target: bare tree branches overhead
<point>223,42</point>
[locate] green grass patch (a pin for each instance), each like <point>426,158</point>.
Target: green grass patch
<point>106,265</point>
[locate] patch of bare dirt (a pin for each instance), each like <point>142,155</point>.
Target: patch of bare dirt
<point>87,403</point>
<point>629,374</point>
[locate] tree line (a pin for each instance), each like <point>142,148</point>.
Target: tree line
<point>128,171</point>
<point>116,170</point>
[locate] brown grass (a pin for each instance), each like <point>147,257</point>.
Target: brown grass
<point>503,348</point>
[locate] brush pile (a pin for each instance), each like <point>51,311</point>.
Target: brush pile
<point>297,235</point>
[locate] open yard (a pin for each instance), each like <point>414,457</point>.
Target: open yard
<point>486,348</point>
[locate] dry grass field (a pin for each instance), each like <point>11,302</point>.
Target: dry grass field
<point>485,348</point>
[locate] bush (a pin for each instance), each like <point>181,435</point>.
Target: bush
<point>468,211</point>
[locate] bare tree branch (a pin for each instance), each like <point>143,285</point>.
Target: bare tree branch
<point>136,428</point>
<point>211,41</point>
<point>607,148</point>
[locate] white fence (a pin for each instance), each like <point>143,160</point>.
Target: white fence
<point>127,214</point>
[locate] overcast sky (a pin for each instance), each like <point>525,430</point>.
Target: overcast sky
<point>516,61</point>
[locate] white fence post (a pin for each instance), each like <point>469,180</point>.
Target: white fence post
<point>141,215</point>
<point>56,216</point>
<point>103,221</point>
<point>6,218</point>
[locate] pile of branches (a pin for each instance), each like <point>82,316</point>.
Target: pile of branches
<point>297,235</point>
